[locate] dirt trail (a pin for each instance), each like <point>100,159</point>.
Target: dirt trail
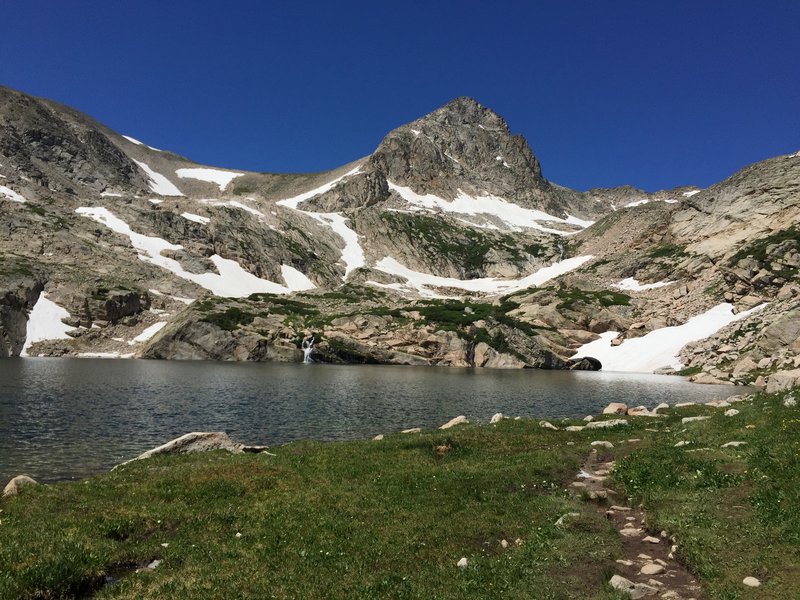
<point>647,567</point>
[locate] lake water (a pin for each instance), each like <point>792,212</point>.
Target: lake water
<point>69,418</point>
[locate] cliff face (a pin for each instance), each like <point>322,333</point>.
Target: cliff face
<point>447,245</point>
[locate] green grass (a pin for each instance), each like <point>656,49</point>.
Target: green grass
<point>390,519</point>
<point>605,298</point>
<point>668,251</point>
<point>689,371</point>
<point>732,510</point>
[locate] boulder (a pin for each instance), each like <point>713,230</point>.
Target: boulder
<point>783,380</point>
<point>586,363</point>
<point>461,419</point>
<point>496,418</point>
<point>12,487</point>
<point>198,441</point>
<point>615,408</point>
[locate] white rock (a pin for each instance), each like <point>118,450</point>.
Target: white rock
<point>651,569</point>
<point>462,563</point>
<point>685,420</point>
<point>548,425</point>
<point>789,402</point>
<point>13,486</point>
<point>604,424</point>
<point>651,540</point>
<point>682,443</point>
<point>504,543</point>
<point>238,534</point>
<point>733,444</point>
<point>413,430</point>
<point>602,443</point>
<point>661,406</point>
<point>731,412</point>
<point>682,404</point>
<point>588,418</point>
<point>496,418</point>
<point>574,428</point>
<point>378,437</point>
<point>453,422</point>
<point>751,582</point>
<point>615,408</point>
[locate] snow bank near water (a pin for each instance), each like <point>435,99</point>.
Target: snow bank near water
<point>660,347</point>
<point>45,323</point>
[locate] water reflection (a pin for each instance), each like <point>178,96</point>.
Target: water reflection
<point>62,418</point>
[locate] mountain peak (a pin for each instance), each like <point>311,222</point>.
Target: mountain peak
<point>465,110</point>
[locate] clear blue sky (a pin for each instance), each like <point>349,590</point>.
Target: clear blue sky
<point>653,94</point>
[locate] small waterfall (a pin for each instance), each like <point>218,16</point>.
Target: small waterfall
<point>560,251</point>
<point>308,348</point>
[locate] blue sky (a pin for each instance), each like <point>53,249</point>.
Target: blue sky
<point>652,94</point>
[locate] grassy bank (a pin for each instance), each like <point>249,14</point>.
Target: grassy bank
<point>391,518</point>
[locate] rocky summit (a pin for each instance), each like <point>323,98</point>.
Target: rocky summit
<point>446,246</point>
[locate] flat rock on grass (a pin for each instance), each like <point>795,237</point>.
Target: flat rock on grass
<point>198,441</point>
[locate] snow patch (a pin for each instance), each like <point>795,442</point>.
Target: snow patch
<point>231,280</point>
<point>148,333</point>
<point>221,178</point>
<point>352,254</point>
<point>632,285</point>
<point>196,218</point>
<point>513,215</point>
<point>660,347</point>
<point>138,143</point>
<point>296,280</point>
<point>421,282</point>
<point>45,323</point>
<point>158,183</point>
<point>10,194</point>
<point>691,193</point>
<point>293,202</point>
<point>111,195</point>
<point>155,201</point>
<point>234,204</point>
<point>637,203</point>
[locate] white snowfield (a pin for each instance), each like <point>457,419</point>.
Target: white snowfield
<point>352,254</point>
<point>158,183</point>
<point>218,176</point>
<point>231,280</point>
<point>138,143</point>
<point>660,347</point>
<point>111,195</point>
<point>234,204</point>
<point>422,282</point>
<point>186,301</point>
<point>293,202</point>
<point>691,193</point>
<point>631,285</point>
<point>514,216</point>
<point>10,194</point>
<point>45,323</point>
<point>148,333</point>
<point>196,218</point>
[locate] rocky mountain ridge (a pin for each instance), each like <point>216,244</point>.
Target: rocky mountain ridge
<point>445,246</point>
